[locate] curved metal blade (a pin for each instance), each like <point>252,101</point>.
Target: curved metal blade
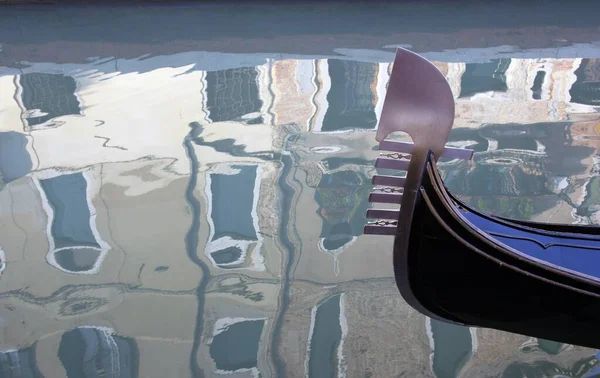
<point>419,102</point>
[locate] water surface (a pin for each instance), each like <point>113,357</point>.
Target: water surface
<point>190,203</point>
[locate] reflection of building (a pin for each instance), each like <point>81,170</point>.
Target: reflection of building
<point>510,91</point>
<point>294,88</point>
<point>268,200</point>
<point>517,165</point>
<point>329,208</point>
<point>329,95</point>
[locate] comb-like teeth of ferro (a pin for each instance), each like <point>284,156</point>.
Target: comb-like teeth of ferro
<point>388,180</point>
<point>395,198</point>
<point>389,163</point>
<point>394,155</point>
<point>406,147</point>
<point>381,227</point>
<point>390,214</point>
<point>391,189</point>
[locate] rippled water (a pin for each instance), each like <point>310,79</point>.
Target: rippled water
<point>173,211</point>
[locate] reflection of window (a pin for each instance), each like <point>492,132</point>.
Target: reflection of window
<point>235,343</point>
<point>586,89</point>
<point>75,244</point>
<point>232,194</point>
<point>342,197</point>
<point>17,363</point>
<point>484,77</point>
<point>90,352</point>
<point>517,137</point>
<point>538,82</point>
<point>328,330</point>
<point>452,347</point>
<point>232,93</point>
<point>47,96</point>
<point>352,97</point>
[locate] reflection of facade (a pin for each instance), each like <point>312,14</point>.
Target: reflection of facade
<point>283,153</point>
<point>512,91</point>
<point>294,88</point>
<point>517,166</point>
<point>329,95</point>
<point>145,272</point>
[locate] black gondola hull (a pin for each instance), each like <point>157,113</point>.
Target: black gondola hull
<point>457,272</point>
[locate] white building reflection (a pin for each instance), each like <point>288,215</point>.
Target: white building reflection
<point>94,215</point>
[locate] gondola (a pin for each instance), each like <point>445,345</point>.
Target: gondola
<point>455,263</point>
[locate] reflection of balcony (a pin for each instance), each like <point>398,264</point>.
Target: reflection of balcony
<point>44,97</point>
<point>232,93</point>
<point>234,241</point>
<point>349,95</point>
<point>75,243</point>
<point>90,352</point>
